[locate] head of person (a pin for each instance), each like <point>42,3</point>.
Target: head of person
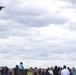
<point>55,67</point>
<point>29,69</point>
<point>51,68</point>
<point>21,63</point>
<point>64,66</point>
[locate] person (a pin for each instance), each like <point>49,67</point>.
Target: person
<point>15,70</point>
<point>40,71</point>
<point>69,70</point>
<point>73,71</point>
<point>65,71</point>
<point>35,72</point>
<point>21,66</point>
<point>0,69</point>
<point>43,71</point>
<point>50,71</point>
<point>29,72</point>
<point>21,70</point>
<point>6,70</point>
<point>46,72</point>
<point>55,70</point>
<point>59,70</point>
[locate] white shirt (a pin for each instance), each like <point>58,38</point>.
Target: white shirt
<point>65,72</point>
<point>51,72</point>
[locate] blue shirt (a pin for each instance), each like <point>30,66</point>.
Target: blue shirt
<point>21,66</point>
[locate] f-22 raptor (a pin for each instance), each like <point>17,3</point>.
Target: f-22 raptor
<point>1,7</point>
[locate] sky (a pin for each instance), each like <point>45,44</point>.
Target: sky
<point>39,33</point>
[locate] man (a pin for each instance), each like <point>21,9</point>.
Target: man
<point>21,70</point>
<point>65,71</point>
<point>21,66</point>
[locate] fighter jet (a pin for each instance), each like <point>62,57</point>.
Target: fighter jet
<point>1,7</point>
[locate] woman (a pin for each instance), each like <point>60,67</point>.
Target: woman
<point>35,72</point>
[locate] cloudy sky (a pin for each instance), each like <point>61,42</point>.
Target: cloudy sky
<point>39,33</point>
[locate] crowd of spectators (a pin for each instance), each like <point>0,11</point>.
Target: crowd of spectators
<point>20,70</point>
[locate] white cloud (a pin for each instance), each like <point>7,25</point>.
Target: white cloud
<point>37,31</point>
